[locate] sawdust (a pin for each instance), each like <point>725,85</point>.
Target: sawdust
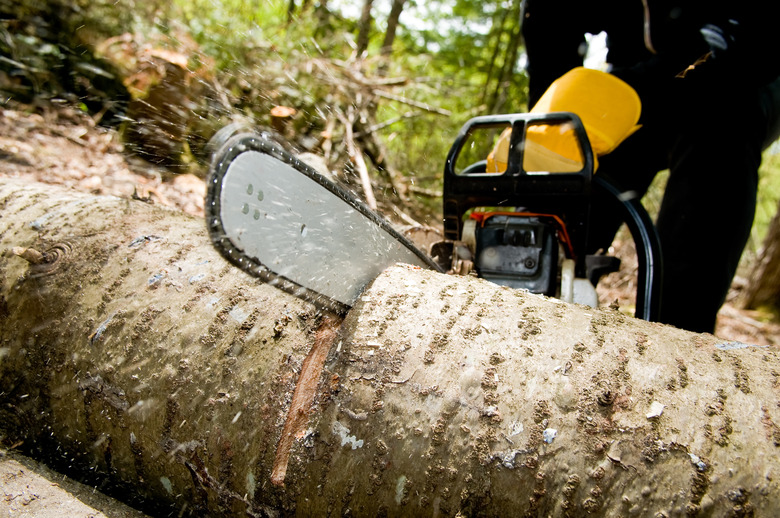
<point>59,145</point>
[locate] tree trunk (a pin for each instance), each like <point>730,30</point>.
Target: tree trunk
<point>291,7</point>
<point>323,19</point>
<point>364,28</point>
<point>496,34</point>
<point>290,11</point>
<point>134,352</point>
<point>387,44</point>
<point>506,74</point>
<point>764,286</point>
<point>392,26</point>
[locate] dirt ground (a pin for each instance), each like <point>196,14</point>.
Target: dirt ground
<point>60,145</point>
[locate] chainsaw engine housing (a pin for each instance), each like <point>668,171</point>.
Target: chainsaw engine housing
<point>517,251</point>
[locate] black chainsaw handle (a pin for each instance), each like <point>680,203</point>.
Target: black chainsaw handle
<point>648,249</point>
<point>519,122</point>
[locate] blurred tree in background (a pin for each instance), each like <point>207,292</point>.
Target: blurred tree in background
<point>46,53</point>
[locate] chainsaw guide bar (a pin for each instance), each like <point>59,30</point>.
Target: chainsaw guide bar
<point>278,219</point>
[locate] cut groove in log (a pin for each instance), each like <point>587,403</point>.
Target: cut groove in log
<point>303,397</point>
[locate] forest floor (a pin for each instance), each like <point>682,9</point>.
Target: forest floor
<point>59,145</point>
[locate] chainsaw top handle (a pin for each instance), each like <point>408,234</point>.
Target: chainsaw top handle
<point>519,122</point>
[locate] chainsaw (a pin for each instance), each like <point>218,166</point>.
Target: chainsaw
<point>517,214</point>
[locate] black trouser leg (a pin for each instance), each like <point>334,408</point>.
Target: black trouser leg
<point>706,216</point>
<point>708,206</point>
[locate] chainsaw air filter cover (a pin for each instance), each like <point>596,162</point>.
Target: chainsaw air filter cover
<point>518,251</point>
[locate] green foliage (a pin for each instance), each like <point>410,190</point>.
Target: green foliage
<point>230,31</point>
<point>45,56</point>
<point>457,55</point>
<point>450,54</point>
<point>257,54</point>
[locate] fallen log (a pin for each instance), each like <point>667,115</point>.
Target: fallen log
<point>133,353</point>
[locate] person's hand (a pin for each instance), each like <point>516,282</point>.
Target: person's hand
<point>720,39</point>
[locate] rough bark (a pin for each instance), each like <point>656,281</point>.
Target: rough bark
<point>141,356</point>
<point>137,353</point>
